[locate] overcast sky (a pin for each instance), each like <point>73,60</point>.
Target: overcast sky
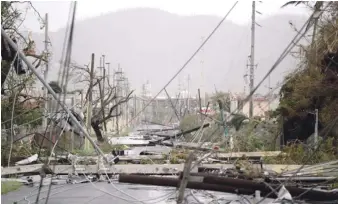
<point>58,10</point>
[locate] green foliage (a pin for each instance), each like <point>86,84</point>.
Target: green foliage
<point>213,132</point>
<point>334,185</point>
<point>237,121</point>
<point>224,98</point>
<point>25,108</point>
<point>149,161</point>
<point>300,153</point>
<point>256,136</point>
<point>8,16</point>
<point>146,161</point>
<point>84,152</point>
<point>312,86</point>
<point>177,155</point>
<point>9,186</point>
<point>125,132</point>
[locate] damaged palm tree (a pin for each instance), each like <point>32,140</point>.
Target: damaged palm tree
<point>105,107</point>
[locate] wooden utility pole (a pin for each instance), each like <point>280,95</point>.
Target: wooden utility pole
<point>188,93</point>
<point>118,95</point>
<point>252,56</point>
<point>200,103</point>
<point>72,131</point>
<point>172,104</point>
<point>108,71</point>
<point>45,91</point>
<point>185,179</point>
<point>102,66</point>
<point>316,129</point>
<point>90,99</point>
<point>127,103</point>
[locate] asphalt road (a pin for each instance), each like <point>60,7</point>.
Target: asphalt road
<point>103,192</point>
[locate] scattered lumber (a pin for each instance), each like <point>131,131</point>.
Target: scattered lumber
<point>248,155</point>
<point>21,169</point>
<point>122,158</point>
<point>134,168</point>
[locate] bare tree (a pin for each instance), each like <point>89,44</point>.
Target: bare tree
<point>106,105</point>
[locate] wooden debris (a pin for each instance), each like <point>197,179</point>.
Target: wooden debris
<point>236,186</point>
<point>135,168</point>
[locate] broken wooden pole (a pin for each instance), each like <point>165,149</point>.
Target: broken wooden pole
<point>222,184</point>
<point>185,178</point>
<point>172,105</point>
<point>174,182</point>
<point>240,183</point>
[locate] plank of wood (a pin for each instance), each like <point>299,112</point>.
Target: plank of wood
<point>119,169</point>
<point>20,169</point>
<point>142,157</point>
<point>132,168</point>
<point>122,158</point>
<point>249,154</point>
<point>279,168</point>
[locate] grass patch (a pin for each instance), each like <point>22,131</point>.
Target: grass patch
<point>9,186</point>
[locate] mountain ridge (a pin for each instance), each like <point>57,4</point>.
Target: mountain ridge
<point>155,44</point>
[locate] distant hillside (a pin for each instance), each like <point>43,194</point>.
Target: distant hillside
<point>153,44</point>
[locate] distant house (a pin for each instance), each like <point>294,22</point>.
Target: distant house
<point>261,104</point>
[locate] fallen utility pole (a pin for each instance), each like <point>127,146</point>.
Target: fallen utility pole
<point>51,91</point>
<point>168,137</point>
<point>241,183</point>
<point>228,185</point>
<point>172,104</point>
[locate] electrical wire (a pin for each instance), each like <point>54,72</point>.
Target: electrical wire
<point>183,68</point>
<point>327,129</point>
<point>135,200</point>
<point>188,61</point>
<point>11,145</point>
<point>290,46</point>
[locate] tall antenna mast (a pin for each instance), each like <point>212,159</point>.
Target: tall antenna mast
<point>252,56</point>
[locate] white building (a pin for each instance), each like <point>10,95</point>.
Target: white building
<point>261,104</point>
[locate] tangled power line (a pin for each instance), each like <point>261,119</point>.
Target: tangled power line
<point>67,50</point>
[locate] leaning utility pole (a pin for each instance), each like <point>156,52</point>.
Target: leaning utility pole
<point>252,57</point>
<point>51,91</point>
<point>45,76</point>
<point>90,100</point>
